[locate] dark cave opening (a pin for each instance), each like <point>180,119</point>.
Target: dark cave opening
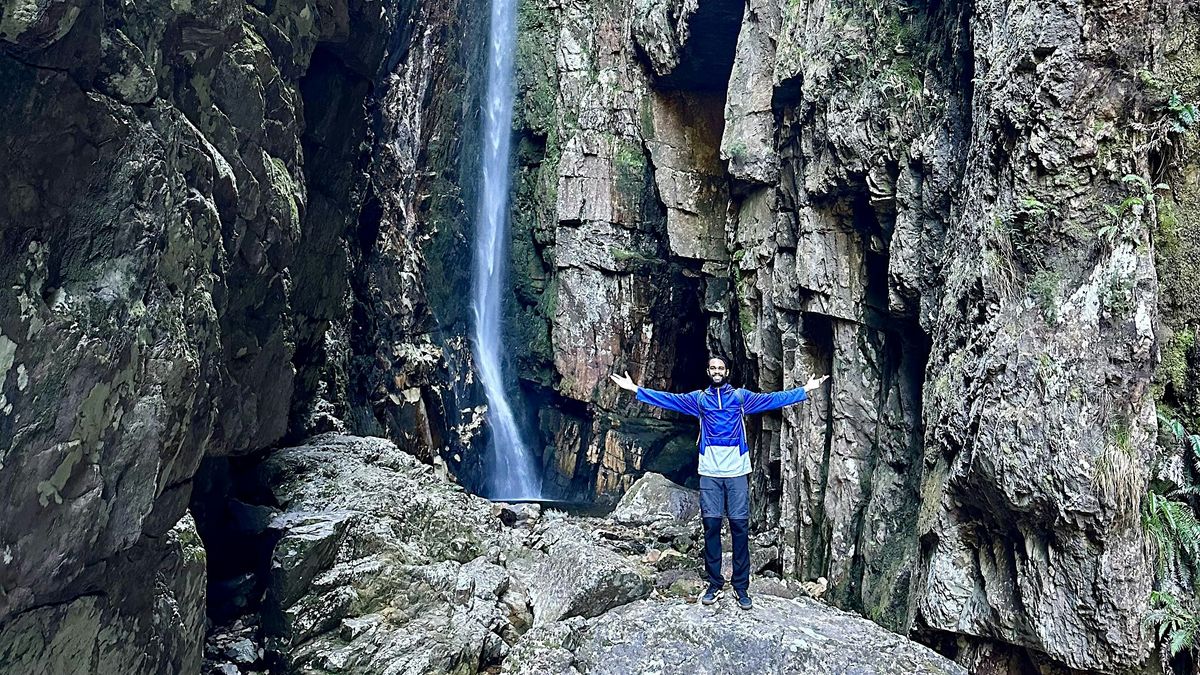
<point>706,59</point>
<point>233,512</point>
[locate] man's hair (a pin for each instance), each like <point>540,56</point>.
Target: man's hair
<point>724,361</point>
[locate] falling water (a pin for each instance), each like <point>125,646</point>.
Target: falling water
<point>511,468</point>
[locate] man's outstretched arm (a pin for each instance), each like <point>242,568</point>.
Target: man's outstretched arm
<point>756,403</point>
<point>684,403</point>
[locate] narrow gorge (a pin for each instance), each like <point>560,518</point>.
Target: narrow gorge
<point>247,423</point>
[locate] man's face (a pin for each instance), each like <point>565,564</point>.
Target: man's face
<point>717,372</point>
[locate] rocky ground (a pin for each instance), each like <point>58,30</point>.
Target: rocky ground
<point>381,565</point>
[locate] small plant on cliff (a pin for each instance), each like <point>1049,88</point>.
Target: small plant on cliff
<point>1183,115</point>
<point>1130,208</point>
<point>1174,621</point>
<point>1172,525</point>
<point>1116,295</point>
<point>738,152</point>
<point>1167,513</point>
<point>1190,441</point>
<point>1180,115</point>
<point>1044,289</point>
<point>1032,229</point>
<point>1032,206</point>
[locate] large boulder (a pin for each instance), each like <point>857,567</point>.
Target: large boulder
<point>778,636</point>
<point>577,577</point>
<point>381,564</point>
<point>655,498</point>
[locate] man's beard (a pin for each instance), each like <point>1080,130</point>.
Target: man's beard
<point>717,379</point>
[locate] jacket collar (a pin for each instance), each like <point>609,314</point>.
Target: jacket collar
<point>724,388</point>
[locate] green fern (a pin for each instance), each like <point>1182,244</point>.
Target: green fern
<point>1117,229</point>
<point>1172,525</point>
<point>1176,624</point>
<point>1190,441</point>
<point>1185,114</point>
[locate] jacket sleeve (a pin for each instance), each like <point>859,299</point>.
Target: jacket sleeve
<point>756,402</point>
<point>684,403</point>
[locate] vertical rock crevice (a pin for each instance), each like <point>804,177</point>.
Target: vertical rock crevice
<point>619,236</point>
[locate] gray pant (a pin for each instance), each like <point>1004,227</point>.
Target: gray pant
<point>725,497</point>
<point>728,497</point>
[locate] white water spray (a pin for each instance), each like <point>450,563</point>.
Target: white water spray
<point>512,474</point>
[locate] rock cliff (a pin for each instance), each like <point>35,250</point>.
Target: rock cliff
<point>961,212</point>
<point>228,226</point>
<point>211,216</point>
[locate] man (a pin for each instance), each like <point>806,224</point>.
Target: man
<point>724,463</point>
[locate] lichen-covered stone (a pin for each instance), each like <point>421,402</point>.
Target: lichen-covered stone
<point>577,577</point>
<point>125,629</point>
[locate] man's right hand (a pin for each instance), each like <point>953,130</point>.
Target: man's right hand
<point>624,382</point>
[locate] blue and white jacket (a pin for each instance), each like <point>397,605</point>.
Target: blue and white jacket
<point>723,449</point>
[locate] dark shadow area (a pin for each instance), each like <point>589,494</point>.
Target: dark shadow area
<point>333,143</point>
<point>233,513</point>
<point>706,59</point>
<point>817,330</point>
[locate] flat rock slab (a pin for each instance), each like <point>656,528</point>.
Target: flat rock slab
<point>777,636</point>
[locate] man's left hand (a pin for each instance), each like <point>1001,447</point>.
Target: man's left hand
<point>815,382</point>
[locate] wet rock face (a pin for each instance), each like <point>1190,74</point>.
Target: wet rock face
<point>151,202</point>
<point>618,236</point>
<point>1041,421</point>
<point>130,211</point>
<point>405,351</point>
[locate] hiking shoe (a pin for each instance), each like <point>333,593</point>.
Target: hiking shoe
<point>710,596</point>
<point>744,601</point>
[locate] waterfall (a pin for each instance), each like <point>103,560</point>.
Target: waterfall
<point>511,470</point>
